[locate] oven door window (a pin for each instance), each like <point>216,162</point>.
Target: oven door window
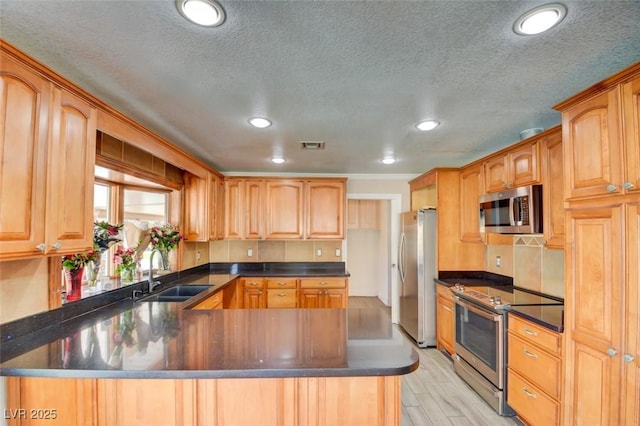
<point>478,334</point>
<point>496,213</point>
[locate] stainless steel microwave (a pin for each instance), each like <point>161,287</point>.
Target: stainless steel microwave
<point>512,211</point>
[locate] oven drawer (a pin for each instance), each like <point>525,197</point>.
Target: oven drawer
<point>535,365</point>
<point>533,333</point>
<point>530,402</point>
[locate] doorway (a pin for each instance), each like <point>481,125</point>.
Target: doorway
<point>371,247</point>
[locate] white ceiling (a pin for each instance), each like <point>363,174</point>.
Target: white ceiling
<point>355,74</point>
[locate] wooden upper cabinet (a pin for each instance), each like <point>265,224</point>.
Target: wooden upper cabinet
<point>326,204</point>
<point>24,123</point>
<point>593,159</point>
<point>516,167</point>
<point>254,209</point>
<point>72,157</point>
<point>631,105</point>
<point>47,142</point>
<point>234,209</point>
<point>284,203</point>
<point>553,190</point>
<point>471,187</point>
<point>216,207</point>
<point>363,214</point>
<point>196,209</point>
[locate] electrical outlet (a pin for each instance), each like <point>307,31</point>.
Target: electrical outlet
<point>198,256</point>
<point>319,252</point>
<point>250,252</point>
<point>338,253</point>
<point>498,262</point>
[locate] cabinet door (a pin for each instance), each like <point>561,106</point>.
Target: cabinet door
<point>631,102</point>
<point>631,356</point>
<point>325,208</point>
<point>594,308</point>
<point>334,298</point>
<point>553,191</point>
<point>284,199</point>
<point>25,100</point>
<point>254,209</point>
<point>496,173</point>
<point>72,158</point>
<point>310,298</point>
<point>523,165</point>
<point>234,209</point>
<point>196,220</point>
<point>444,323</point>
<point>352,214</point>
<point>471,184</point>
<point>368,214</point>
<point>591,134</point>
<point>216,207</point>
<point>253,293</point>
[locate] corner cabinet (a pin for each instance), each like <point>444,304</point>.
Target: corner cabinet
<point>471,187</point>
<point>600,130</point>
<point>48,145</point>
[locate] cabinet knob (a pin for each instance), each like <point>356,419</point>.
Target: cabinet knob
<point>259,291</point>
<point>628,358</point>
<point>611,188</point>
<point>629,185</point>
<point>611,352</point>
<point>57,245</point>
<point>326,292</point>
<point>319,292</point>
<point>42,247</point>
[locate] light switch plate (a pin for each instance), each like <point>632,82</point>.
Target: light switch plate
<point>338,253</point>
<point>250,252</point>
<point>319,252</point>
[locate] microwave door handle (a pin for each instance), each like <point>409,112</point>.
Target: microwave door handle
<point>512,219</point>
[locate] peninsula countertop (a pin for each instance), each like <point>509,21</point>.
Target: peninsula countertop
<point>138,339</point>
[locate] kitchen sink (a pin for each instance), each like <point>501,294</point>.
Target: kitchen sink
<point>179,293</point>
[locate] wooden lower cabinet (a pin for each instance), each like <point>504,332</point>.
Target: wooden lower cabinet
<point>269,401</point>
<point>445,317</point>
<point>323,292</point>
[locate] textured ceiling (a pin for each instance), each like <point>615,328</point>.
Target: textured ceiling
<point>357,75</point>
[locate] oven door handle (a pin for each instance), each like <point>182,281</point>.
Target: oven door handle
<point>485,314</point>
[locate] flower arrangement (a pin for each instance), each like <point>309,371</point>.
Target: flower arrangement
<point>165,237</point>
<point>105,234</point>
<point>124,259</point>
<point>75,261</point>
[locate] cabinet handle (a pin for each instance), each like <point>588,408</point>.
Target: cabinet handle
<point>628,358</point>
<point>611,188</point>
<point>253,283</point>
<point>259,292</point>
<point>529,332</point>
<point>323,283</point>
<point>282,294</point>
<point>281,283</point>
<point>629,185</point>
<point>529,354</point>
<point>529,394</point>
<point>319,292</point>
<point>326,292</point>
<point>42,247</point>
<point>57,245</point>
<point>611,352</point>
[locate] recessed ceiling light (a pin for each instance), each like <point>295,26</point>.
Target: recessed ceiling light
<point>278,160</point>
<point>540,19</point>
<point>259,122</point>
<point>207,13</point>
<point>388,160</point>
<point>427,125</point>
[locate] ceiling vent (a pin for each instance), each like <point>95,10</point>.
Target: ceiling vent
<point>312,145</point>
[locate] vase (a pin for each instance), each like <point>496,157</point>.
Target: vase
<point>93,271</point>
<point>126,275</point>
<point>73,281</point>
<point>164,265</point>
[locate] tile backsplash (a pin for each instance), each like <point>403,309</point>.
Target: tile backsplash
<point>529,263</point>
<point>274,251</point>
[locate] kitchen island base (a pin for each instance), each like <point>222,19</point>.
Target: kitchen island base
<point>300,401</point>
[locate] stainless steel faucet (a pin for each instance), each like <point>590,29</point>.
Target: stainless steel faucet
<point>153,284</point>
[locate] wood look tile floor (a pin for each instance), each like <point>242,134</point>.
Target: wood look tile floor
<point>434,394</point>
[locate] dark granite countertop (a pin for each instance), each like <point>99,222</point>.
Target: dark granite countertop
<point>549,316</point>
<point>281,269</point>
<point>138,339</point>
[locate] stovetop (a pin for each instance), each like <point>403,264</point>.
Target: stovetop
<point>502,297</point>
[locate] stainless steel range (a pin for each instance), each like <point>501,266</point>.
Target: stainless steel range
<point>481,337</point>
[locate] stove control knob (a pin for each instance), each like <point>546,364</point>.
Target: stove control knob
<point>492,300</point>
<point>498,300</point>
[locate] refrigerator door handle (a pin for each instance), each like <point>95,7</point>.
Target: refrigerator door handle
<point>401,255</point>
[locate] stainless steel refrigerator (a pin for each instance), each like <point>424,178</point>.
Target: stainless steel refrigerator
<point>417,267</point>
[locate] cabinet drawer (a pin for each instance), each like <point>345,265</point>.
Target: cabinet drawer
<point>530,402</point>
<point>212,302</point>
<point>534,364</point>
<point>284,298</point>
<point>323,282</point>
<point>282,282</point>
<point>250,283</point>
<point>536,334</point>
